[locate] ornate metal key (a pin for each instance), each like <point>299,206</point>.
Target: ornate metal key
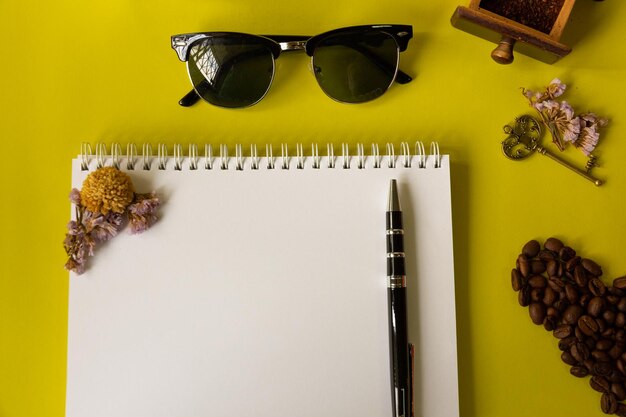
<point>523,140</point>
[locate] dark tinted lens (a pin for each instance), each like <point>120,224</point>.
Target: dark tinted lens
<point>354,68</point>
<point>231,71</point>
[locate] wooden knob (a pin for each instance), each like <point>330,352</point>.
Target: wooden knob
<point>503,54</point>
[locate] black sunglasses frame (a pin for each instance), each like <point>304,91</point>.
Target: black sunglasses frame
<point>289,43</point>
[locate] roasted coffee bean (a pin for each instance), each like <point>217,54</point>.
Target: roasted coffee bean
<point>537,312</point>
<point>591,267</point>
<point>523,265</point>
<point>600,356</point>
<point>619,292</point>
<point>621,366</point>
<point>608,403</point>
<point>524,296</point>
<point>551,311</point>
<point>621,410</point>
<point>621,305</point>
<point>602,326</point>
<point>579,371</point>
<point>617,350</point>
<point>620,335</point>
<point>571,264</point>
<point>552,268</point>
<point>580,276</point>
<point>572,293</point>
<point>595,306</point>
<point>572,314</point>
<point>546,255</point>
<point>537,281</point>
<point>604,344</point>
<point>579,351</point>
<point>531,249</point>
<point>589,364</point>
<point>517,281</point>
<point>600,384</point>
<point>612,298</point>
<point>580,336</point>
<point>609,333</point>
<point>561,305</point>
<point>563,331</point>
<point>557,284</point>
<point>587,325</point>
<point>536,295</point>
<point>566,343</point>
<point>620,320</point>
<point>614,375</point>
<point>620,283</point>
<point>603,369</point>
<point>549,323</point>
<point>549,296</point>
<point>566,253</point>
<point>584,300</point>
<point>591,343</point>
<point>597,287</point>
<point>568,358</point>
<point>553,244</point>
<point>537,266</point>
<point>619,391</point>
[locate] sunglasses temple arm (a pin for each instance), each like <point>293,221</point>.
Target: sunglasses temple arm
<point>189,99</point>
<point>403,78</point>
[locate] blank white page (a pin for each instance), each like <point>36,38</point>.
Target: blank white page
<point>263,293</point>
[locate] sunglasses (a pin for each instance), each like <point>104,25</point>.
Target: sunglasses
<point>351,65</point>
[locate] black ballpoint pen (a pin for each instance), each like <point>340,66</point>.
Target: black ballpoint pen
<point>396,296</point>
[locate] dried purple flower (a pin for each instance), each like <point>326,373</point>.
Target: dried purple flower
<point>75,196</point>
<point>142,212</point>
<point>555,89</point>
<point>559,118</point>
<point>91,228</point>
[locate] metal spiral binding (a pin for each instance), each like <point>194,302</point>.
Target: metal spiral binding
<point>360,155</point>
<point>330,149</point>
<point>420,152</point>
<point>238,158</point>
<point>406,154</point>
<point>300,156</point>
<point>85,151</point>
<point>434,151</point>
<point>420,158</point>
<point>131,155</point>
<point>391,153</point>
<point>254,157</point>
<point>223,156</point>
<point>376,155</point>
<point>193,156</point>
<point>162,156</point>
<point>208,157</point>
<point>116,152</point>
<point>345,156</point>
<point>101,151</point>
<point>284,156</point>
<point>269,154</point>
<point>178,157</point>
<point>146,154</point>
<point>315,155</point>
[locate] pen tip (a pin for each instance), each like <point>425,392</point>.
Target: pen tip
<point>394,201</point>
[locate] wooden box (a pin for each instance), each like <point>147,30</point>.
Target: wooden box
<point>497,21</point>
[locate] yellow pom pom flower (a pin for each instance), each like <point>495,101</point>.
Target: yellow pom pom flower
<point>107,189</point>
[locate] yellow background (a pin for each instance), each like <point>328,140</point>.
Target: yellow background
<point>103,71</point>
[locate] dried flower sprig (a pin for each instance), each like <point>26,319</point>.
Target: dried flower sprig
<point>106,202</point>
<point>560,119</point>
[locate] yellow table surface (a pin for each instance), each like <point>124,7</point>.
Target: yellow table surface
<point>77,72</point>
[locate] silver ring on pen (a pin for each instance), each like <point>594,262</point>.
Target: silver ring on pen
<point>395,231</point>
<point>395,255</point>
<point>396,281</point>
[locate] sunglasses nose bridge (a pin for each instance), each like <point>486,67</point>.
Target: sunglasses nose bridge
<point>293,46</point>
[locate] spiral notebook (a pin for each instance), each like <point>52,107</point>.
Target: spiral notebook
<point>261,290</point>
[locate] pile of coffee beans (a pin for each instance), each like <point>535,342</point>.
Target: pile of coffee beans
<point>564,293</point>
